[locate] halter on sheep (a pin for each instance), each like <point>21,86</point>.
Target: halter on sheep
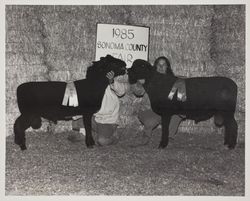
<point>206,97</point>
<point>44,99</point>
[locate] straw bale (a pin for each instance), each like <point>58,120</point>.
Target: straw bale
<point>60,8</point>
<point>11,96</point>
<point>58,60</point>
<point>9,129</point>
<point>240,107</point>
<point>11,103</point>
<point>58,75</point>
<point>13,78</point>
<point>228,51</point>
<point>78,74</point>
<point>229,10</point>
<point>23,73</point>
<point>26,41</point>
<point>13,36</point>
<point>22,19</point>
<point>13,59</point>
<point>39,69</point>
<point>10,118</point>
<point>186,40</point>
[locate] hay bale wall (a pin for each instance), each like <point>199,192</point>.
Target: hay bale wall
<point>58,43</point>
<point>228,51</point>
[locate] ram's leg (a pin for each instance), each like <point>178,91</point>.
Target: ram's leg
<point>87,124</point>
<point>20,125</point>
<point>231,131</point>
<point>165,131</point>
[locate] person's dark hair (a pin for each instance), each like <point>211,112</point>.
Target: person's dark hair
<point>169,69</point>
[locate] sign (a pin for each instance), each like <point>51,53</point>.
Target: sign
<point>124,42</point>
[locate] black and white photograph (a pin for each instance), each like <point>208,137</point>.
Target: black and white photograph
<point>124,99</point>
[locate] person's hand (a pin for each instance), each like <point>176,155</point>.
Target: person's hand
<point>110,75</point>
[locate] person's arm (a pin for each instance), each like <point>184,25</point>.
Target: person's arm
<point>119,88</point>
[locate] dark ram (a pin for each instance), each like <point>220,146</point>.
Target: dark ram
<point>206,97</point>
<point>44,99</point>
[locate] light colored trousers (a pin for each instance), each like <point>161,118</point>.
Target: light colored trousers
<point>151,120</point>
<point>104,132</point>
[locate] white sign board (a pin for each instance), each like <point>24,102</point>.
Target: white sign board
<point>122,41</point>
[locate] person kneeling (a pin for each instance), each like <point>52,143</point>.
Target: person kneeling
<point>104,122</point>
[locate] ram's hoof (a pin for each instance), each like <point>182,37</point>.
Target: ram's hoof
<point>90,143</point>
<point>90,146</point>
<point>23,147</point>
<point>162,145</point>
<point>232,146</point>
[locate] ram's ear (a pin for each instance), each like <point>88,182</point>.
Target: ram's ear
<point>110,58</point>
<point>102,58</point>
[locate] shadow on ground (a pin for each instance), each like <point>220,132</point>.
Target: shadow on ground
<point>192,164</point>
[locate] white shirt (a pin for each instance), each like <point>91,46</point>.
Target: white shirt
<point>109,111</point>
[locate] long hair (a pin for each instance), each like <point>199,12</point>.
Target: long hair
<point>169,69</point>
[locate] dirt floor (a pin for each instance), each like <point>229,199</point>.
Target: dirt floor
<point>192,164</point>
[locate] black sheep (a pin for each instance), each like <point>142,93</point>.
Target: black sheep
<point>206,97</point>
<point>44,99</point>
